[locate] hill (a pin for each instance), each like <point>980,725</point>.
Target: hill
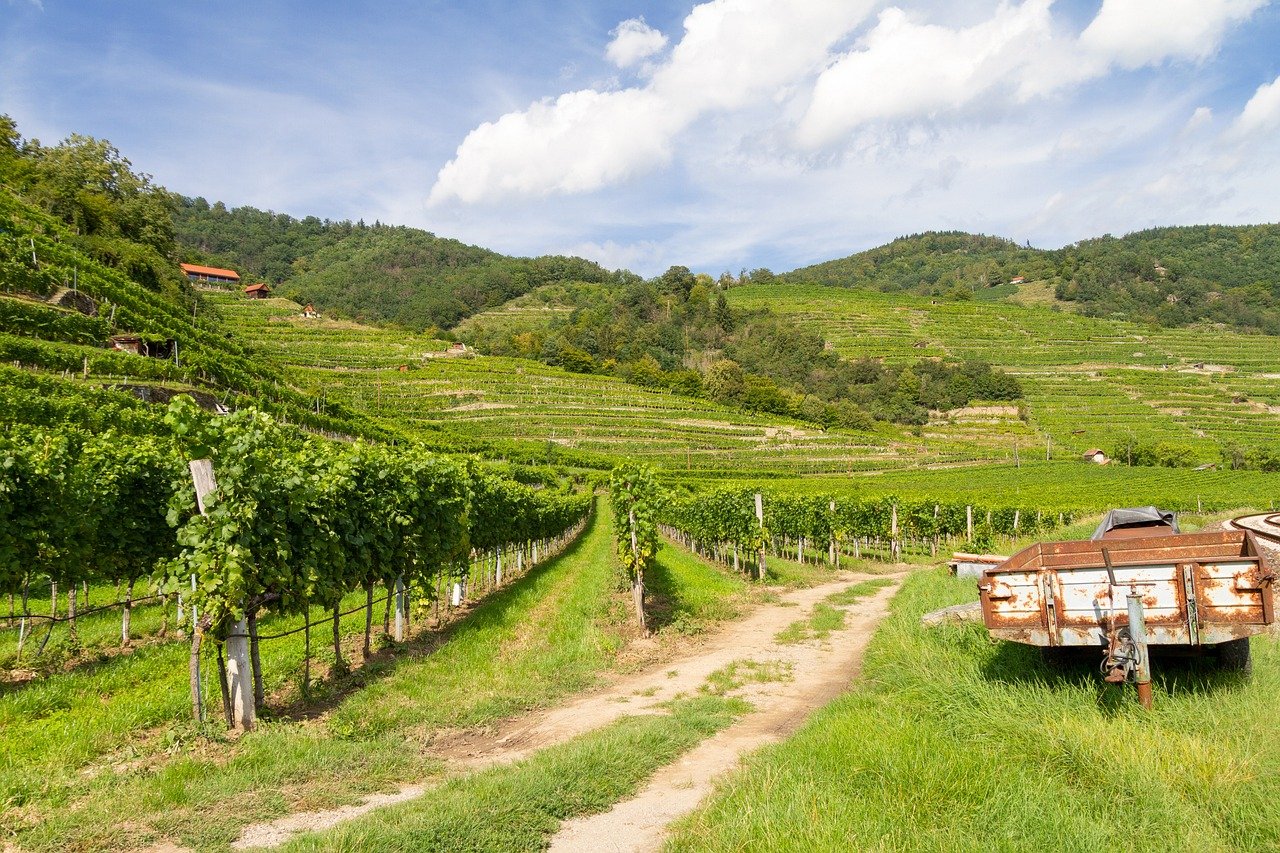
<point>378,273</point>
<point>1167,276</point>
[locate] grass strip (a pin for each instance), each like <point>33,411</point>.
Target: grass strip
<point>519,807</point>
<point>818,626</point>
<point>952,742</point>
<point>859,591</point>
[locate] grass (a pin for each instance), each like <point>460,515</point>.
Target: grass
<point>686,594</point>
<point>859,591</point>
<point>74,746</point>
<point>740,673</point>
<point>817,626</point>
<point>979,746</point>
<point>521,806</point>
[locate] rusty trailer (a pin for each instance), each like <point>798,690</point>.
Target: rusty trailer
<point>1192,591</point>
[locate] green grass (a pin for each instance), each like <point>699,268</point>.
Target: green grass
<point>74,746</point>
<point>740,673</point>
<point>817,626</point>
<point>685,594</point>
<point>859,591</point>
<point>978,746</point>
<point>521,806</point>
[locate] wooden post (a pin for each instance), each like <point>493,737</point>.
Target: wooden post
<point>968,521</point>
<point>401,610</point>
<point>637,577</point>
<point>760,518</point>
<point>831,547</point>
<point>895,547</point>
<point>239,683</point>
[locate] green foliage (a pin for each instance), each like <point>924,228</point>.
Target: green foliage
<point>648,331</point>
<point>633,492</point>
<point>377,273</point>
<point>1164,276</point>
<point>118,216</point>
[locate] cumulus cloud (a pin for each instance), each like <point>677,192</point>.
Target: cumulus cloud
<point>904,69</point>
<point>733,52</point>
<point>1262,113</point>
<point>1133,33</point>
<point>809,84</point>
<point>634,40</point>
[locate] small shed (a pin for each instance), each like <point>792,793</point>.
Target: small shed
<point>1096,456</point>
<point>257,291</point>
<point>1018,279</point>
<point>128,343</point>
<point>310,312</point>
<point>138,345</point>
<point>457,348</point>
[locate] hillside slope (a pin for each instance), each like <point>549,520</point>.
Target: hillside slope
<point>378,273</point>
<point>1168,276</point>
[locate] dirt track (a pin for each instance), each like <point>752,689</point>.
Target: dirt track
<point>819,671</point>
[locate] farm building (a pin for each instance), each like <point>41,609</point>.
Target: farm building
<point>1096,456</point>
<point>310,312</point>
<point>1018,279</point>
<point>137,345</point>
<point>212,275</point>
<point>257,291</point>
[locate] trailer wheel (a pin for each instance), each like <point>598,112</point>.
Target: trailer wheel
<point>1233,656</point>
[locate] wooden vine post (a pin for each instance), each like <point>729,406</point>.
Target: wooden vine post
<point>831,546</point>
<point>633,493</point>
<point>760,568</point>
<point>239,672</point>
<point>637,578</point>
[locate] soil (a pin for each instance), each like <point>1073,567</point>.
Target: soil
<point>819,671</point>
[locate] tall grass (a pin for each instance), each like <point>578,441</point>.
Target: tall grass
<point>953,742</point>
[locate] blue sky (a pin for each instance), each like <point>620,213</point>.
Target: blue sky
<point>720,135</point>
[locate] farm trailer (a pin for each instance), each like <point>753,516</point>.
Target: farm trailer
<point>1189,592</point>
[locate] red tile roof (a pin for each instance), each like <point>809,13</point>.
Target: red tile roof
<point>254,288</point>
<point>199,270</point>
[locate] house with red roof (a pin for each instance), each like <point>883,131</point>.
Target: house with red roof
<point>211,275</point>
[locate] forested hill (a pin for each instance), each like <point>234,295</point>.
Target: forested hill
<point>374,273</point>
<point>1166,276</point>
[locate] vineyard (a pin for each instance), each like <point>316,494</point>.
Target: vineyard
<point>1089,382</point>
<point>258,564</point>
<point>291,523</point>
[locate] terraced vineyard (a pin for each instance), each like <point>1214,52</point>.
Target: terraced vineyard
<point>1089,382</point>
<point>499,402</point>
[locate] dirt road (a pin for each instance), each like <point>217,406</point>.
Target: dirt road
<point>815,672</point>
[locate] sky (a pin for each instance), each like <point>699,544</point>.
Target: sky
<point>721,135</point>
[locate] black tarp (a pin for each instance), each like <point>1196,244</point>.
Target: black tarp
<point>1140,516</point>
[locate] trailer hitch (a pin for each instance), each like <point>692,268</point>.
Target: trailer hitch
<point>1120,660</point>
<point>1127,658</point>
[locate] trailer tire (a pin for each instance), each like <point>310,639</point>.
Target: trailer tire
<point>1234,656</point>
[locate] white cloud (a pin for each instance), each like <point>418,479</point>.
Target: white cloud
<point>1133,33</point>
<point>902,69</point>
<point>1201,117</point>
<point>1262,113</point>
<point>799,132</point>
<point>634,40</point>
<point>733,53</point>
<point>579,142</point>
